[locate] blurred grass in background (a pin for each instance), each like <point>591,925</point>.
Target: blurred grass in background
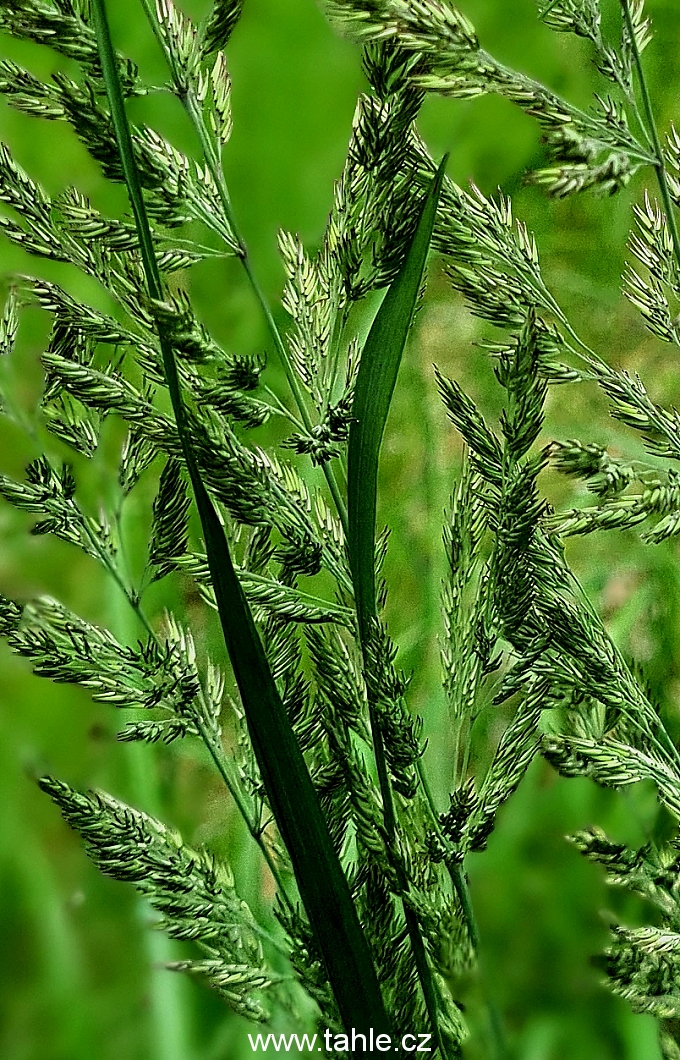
<point>79,975</point>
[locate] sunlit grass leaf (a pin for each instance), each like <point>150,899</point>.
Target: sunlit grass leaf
<point>376,379</point>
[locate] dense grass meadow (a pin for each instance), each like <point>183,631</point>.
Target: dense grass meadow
<point>80,971</point>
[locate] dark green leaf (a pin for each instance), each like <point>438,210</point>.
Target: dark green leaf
<point>321,880</point>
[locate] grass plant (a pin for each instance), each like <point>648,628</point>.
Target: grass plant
<point>293,690</point>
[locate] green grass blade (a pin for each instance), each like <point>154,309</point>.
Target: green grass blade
<point>377,377</point>
<point>321,881</point>
<point>376,380</point>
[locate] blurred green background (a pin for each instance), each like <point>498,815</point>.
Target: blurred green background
<point>80,975</point>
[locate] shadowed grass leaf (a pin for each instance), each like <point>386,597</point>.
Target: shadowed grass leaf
<point>320,878</point>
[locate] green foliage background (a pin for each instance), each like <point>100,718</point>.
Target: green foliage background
<point>78,967</point>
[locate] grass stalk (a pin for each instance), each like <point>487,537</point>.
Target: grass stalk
<point>213,161</point>
<point>658,161</point>
<point>215,749</point>
<point>169,1016</point>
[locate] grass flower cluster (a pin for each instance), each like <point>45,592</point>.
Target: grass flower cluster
<point>303,711</point>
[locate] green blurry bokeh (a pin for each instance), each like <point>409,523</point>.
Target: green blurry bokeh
<point>80,975</point>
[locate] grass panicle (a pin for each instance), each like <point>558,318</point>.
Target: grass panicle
<point>311,727</point>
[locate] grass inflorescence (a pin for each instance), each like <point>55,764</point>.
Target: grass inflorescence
<point>302,707</point>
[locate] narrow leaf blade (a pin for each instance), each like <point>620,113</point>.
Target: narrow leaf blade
<point>376,379</point>
<point>322,883</point>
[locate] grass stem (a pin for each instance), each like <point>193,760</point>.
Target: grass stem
<point>658,161</point>
<point>212,159</point>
